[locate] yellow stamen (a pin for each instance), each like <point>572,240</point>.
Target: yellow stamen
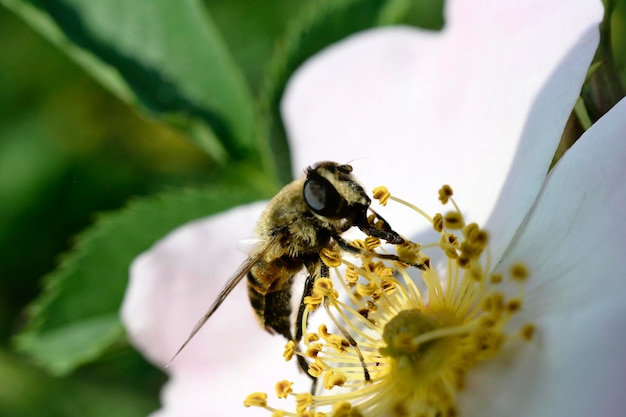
<point>528,331</point>
<point>331,257</point>
<point>403,348</point>
<point>334,379</point>
<point>381,194</point>
<point>453,220</point>
<point>352,276</point>
<point>302,402</point>
<point>316,368</point>
<point>519,272</point>
<point>283,388</point>
<point>256,399</point>
<point>289,351</point>
<point>445,193</point>
<point>438,223</point>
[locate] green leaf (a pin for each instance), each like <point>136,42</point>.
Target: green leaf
<point>78,341</point>
<point>29,392</point>
<point>165,57</point>
<point>427,14</point>
<point>76,318</point>
<point>618,38</point>
<point>324,23</point>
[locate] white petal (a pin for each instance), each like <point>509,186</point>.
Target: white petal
<point>574,239</point>
<point>172,285</point>
<point>221,391</point>
<point>573,368</point>
<point>458,107</point>
<point>574,245</point>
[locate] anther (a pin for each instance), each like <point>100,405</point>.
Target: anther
<point>438,223</point>
<point>495,278</point>
<point>303,400</point>
<point>514,305</point>
<point>453,220</point>
<point>352,276</point>
<point>519,272</point>
<point>381,194</point>
<point>445,192</point>
<point>316,368</point>
<point>528,331</point>
<point>283,388</point>
<point>313,350</point>
<point>256,399</point>
<point>290,349</point>
<point>331,257</point>
<point>334,379</point>
<point>371,243</point>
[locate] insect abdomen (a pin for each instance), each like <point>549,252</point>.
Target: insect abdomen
<point>269,290</point>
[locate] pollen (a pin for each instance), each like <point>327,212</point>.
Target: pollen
<point>405,333</point>
<point>313,350</point>
<point>519,271</point>
<point>316,368</point>
<point>331,257</point>
<point>332,340</point>
<point>323,287</point>
<point>290,349</point>
<point>410,253</point>
<point>257,399</point>
<point>283,389</point>
<point>371,243</point>
<point>334,379</point>
<point>352,276</point>
<point>453,220</point>
<point>445,193</point>
<point>528,331</point>
<point>303,401</point>
<point>381,194</point>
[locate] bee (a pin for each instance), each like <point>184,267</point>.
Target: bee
<point>305,217</point>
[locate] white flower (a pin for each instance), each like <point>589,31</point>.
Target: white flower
<point>481,106</point>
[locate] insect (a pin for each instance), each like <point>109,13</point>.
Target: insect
<point>305,217</point>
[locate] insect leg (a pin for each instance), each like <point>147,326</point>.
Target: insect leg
<point>278,311</point>
<point>308,288</point>
<point>350,339</point>
<point>378,227</point>
<point>302,362</point>
<point>343,244</point>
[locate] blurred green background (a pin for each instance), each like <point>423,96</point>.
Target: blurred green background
<point>69,149</point>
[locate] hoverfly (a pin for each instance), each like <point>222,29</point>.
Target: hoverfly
<point>306,216</point>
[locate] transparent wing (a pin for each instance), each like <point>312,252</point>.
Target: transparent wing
<point>250,246</point>
<point>228,288</point>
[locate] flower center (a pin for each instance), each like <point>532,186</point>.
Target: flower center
<point>409,343</point>
<point>404,346</point>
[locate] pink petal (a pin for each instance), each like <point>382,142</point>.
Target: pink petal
<point>173,284</point>
<point>574,243</point>
<point>221,391</point>
<point>490,92</point>
<point>171,287</point>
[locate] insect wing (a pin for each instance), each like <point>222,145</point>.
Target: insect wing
<point>251,246</point>
<point>228,288</point>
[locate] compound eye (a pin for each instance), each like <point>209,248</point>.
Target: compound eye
<point>321,196</point>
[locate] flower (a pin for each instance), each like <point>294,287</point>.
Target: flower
<point>402,348</point>
<point>481,106</point>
